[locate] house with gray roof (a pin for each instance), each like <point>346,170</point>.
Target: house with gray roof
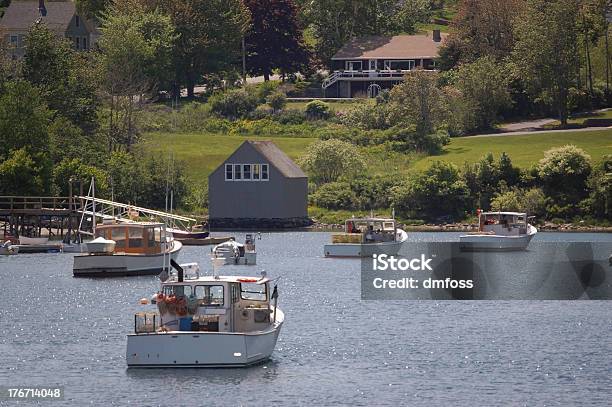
<point>258,186</point>
<point>61,17</point>
<point>366,65</point>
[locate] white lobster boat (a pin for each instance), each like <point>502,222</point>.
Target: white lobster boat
<point>499,231</point>
<point>233,252</point>
<point>364,237</point>
<point>126,249</point>
<point>213,321</point>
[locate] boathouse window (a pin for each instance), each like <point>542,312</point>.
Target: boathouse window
<point>256,172</point>
<point>253,291</point>
<point>77,21</point>
<point>246,171</point>
<point>209,295</point>
<point>264,172</point>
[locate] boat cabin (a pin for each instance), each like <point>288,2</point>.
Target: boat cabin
<point>367,230</point>
<point>503,223</point>
<point>134,237</point>
<point>211,304</point>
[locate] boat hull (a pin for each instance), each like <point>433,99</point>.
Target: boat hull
<point>365,249</point>
<point>117,265</point>
<point>202,349</point>
<point>497,243</point>
<point>249,259</point>
<point>202,241</point>
<point>8,251</point>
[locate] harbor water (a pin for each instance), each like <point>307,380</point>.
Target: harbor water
<point>334,348</point>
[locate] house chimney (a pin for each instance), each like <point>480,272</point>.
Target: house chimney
<point>42,10</point>
<point>437,37</point>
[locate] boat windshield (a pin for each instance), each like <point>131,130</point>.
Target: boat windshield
<point>177,290</point>
<point>209,295</point>
<point>253,291</point>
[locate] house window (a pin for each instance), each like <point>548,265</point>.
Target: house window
<point>256,172</point>
<point>399,65</point>
<point>84,42</point>
<point>77,42</point>
<point>77,21</point>
<point>372,66</point>
<point>229,173</point>
<point>354,65</point>
<point>237,172</point>
<point>264,172</point>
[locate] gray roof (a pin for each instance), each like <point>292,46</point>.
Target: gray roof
<point>277,158</point>
<point>20,15</point>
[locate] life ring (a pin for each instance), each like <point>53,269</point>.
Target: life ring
<point>247,280</point>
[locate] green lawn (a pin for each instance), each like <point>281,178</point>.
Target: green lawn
<point>203,153</point>
<point>524,150</point>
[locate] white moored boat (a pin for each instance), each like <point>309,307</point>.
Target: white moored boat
<point>208,321</point>
<point>7,248</point>
<point>233,252</point>
<point>125,249</point>
<point>499,231</point>
<point>364,237</point>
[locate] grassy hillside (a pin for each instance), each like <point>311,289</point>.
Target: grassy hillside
<point>202,153</point>
<point>525,150</point>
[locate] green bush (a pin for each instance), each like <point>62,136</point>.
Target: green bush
<point>564,172</point>
<point>335,195</point>
<point>437,192</point>
<point>318,110</point>
<point>290,116</point>
<point>233,104</point>
<point>325,161</point>
<point>277,101</point>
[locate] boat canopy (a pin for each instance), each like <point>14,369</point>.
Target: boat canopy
<point>134,237</point>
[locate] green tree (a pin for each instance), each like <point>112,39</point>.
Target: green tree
<point>438,191</point>
<point>209,38</point>
<point>75,169</point>
<point>599,203</point>
<point>564,172</point>
<point>93,9</point>
<point>531,201</point>
<point>484,83</point>
<point>135,57</point>
<point>24,119</point>
<point>63,77</point>
<point>418,101</point>
<point>277,101</point>
<point>545,55</point>
<point>335,195</point>
<point>25,174</point>
<point>325,161</point>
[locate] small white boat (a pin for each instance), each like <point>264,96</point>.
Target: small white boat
<point>8,249</point>
<point>499,231</point>
<point>23,240</point>
<point>233,252</point>
<point>226,321</point>
<point>125,249</point>
<point>364,237</point>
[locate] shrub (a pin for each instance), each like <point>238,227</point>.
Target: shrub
<point>366,116</point>
<point>290,116</point>
<point>233,104</point>
<point>564,172</point>
<point>438,191</point>
<point>325,161</point>
<point>261,112</point>
<point>335,195</point>
<point>599,202</point>
<point>277,101</point>
<point>407,139</point>
<point>318,110</point>
<point>531,201</point>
